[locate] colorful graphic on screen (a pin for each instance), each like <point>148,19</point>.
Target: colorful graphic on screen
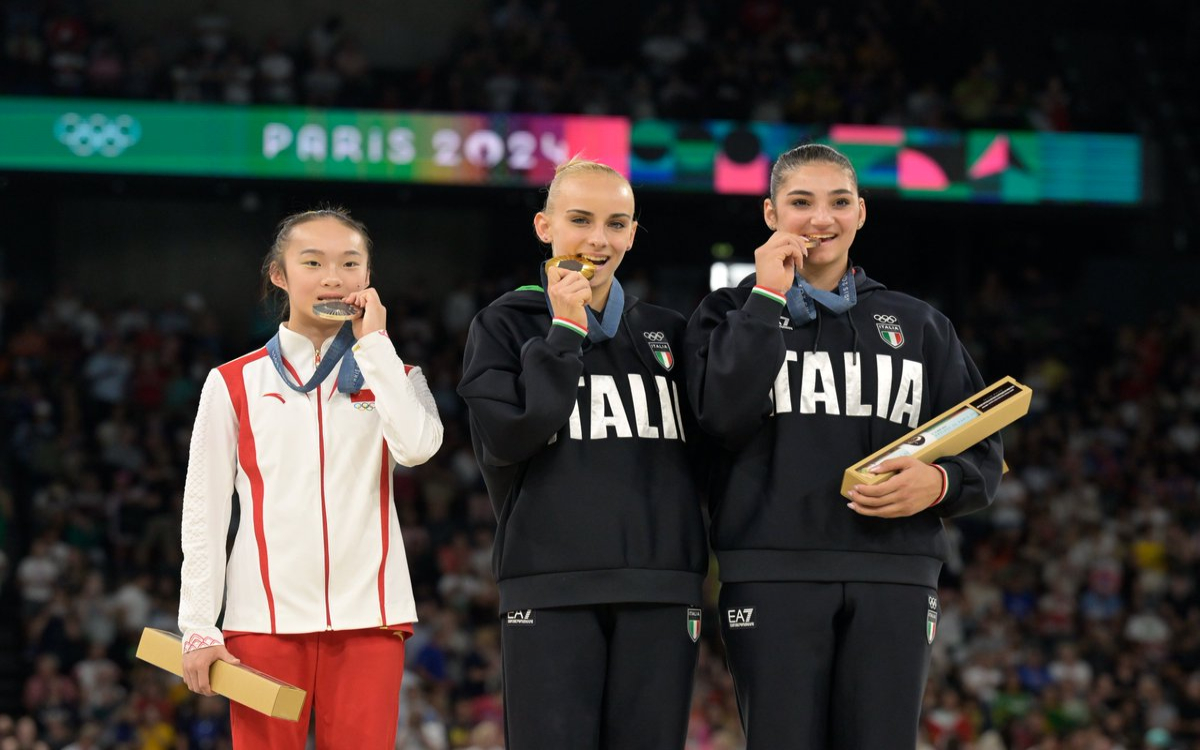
<point>983,166</point>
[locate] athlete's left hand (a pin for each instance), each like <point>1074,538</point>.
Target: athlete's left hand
<point>373,316</point>
<point>913,489</point>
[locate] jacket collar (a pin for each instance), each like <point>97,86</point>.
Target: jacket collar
<point>298,351</point>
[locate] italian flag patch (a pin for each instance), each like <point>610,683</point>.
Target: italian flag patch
<point>662,354</point>
<point>889,330</point>
<point>693,624</point>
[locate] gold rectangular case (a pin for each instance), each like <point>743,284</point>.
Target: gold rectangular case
<point>950,433</point>
<point>236,682</point>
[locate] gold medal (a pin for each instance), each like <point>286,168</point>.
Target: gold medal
<point>335,309</point>
<point>573,263</point>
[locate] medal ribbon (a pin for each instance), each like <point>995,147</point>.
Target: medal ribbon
<point>801,298</point>
<point>349,379</point>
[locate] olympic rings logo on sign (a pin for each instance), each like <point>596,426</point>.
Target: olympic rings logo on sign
<point>654,335</point>
<point>97,134</point>
<point>885,318</point>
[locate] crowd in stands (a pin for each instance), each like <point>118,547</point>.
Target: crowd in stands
<point>860,62</point>
<point>1069,612</point>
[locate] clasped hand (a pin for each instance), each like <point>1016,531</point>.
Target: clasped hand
<point>913,489</point>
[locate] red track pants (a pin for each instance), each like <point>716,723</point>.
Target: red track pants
<point>351,676</point>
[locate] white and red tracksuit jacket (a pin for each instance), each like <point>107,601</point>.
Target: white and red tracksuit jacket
<point>318,545</point>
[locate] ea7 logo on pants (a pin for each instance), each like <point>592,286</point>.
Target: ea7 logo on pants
<point>519,617</point>
<point>741,618</point>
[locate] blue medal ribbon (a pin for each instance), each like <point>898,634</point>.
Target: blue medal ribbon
<point>803,296</point>
<point>349,379</point>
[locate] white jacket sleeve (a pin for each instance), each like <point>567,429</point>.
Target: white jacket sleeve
<point>207,506</point>
<point>404,402</point>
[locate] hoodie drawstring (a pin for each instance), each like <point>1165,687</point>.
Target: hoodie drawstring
<point>854,328</point>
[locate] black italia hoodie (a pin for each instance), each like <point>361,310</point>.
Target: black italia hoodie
<point>792,404</point>
<point>587,452</point>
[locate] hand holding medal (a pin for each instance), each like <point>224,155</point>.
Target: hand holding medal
<point>363,308</point>
<point>369,313</point>
<point>568,288</point>
<point>778,259</point>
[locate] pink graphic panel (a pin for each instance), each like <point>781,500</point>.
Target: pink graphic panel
<point>745,179</point>
<point>876,135</point>
<point>917,171</point>
<point>602,139</point>
<point>993,160</point>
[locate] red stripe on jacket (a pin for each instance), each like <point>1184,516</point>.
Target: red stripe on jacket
<point>248,458</point>
<point>385,480</point>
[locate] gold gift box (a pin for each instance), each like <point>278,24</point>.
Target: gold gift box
<point>951,432</point>
<point>236,682</point>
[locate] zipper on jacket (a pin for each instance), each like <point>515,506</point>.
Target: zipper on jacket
<point>324,514</point>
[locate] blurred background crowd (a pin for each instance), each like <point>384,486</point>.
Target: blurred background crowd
<point>1070,616</point>
<point>928,63</point>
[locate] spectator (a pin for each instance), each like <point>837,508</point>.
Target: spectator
<point>276,74</point>
<point>49,689</point>
<point>37,576</point>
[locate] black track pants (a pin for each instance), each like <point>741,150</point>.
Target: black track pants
<point>828,666</point>
<point>601,677</point>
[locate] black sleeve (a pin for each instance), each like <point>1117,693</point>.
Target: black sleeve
<point>733,353</point>
<point>699,444</point>
<point>519,393</point>
<point>973,475</point>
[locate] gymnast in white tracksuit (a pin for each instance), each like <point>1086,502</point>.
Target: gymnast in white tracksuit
<point>306,431</point>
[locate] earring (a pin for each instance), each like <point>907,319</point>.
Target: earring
<point>860,224</point>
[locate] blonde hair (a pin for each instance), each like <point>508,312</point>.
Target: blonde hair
<point>577,165</point>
